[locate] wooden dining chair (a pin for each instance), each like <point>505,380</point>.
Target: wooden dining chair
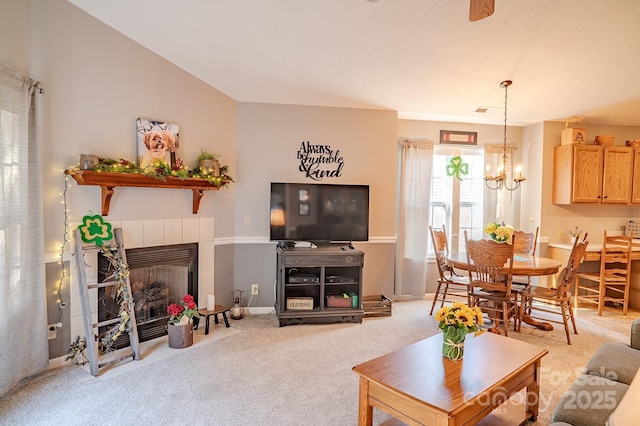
<point>490,275</point>
<point>450,284</point>
<point>536,300</point>
<point>524,244</point>
<point>611,283</point>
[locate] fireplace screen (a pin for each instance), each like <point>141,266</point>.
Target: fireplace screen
<point>158,276</point>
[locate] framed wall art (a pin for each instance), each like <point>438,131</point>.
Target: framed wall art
<point>157,140</point>
<point>457,137</point>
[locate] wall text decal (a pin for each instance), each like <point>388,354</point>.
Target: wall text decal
<point>319,161</point>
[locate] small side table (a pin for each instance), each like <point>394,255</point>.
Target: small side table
<point>219,309</point>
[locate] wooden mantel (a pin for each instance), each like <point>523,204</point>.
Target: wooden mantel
<point>108,181</point>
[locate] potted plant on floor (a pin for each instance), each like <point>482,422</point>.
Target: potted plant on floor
<point>180,328</point>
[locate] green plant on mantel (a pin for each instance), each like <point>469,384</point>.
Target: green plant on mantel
<point>204,155</point>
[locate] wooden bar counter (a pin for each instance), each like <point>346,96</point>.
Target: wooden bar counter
<point>591,262</point>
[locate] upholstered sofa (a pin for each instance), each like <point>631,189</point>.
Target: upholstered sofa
<point>607,390</point>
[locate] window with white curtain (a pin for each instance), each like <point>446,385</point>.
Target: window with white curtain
<point>23,308</point>
<point>458,204</point>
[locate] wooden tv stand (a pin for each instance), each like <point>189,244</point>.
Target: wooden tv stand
<point>311,284</point>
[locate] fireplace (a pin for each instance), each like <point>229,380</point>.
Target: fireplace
<point>159,276</point>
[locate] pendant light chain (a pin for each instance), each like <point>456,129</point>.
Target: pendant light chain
<point>504,137</point>
<point>500,180</point>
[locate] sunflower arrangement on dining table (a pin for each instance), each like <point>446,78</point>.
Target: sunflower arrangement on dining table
<point>499,232</point>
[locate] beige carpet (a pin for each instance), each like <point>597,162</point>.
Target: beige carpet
<point>262,374</point>
<point>156,350</point>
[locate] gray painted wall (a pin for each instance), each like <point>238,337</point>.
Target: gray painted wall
<point>256,264</point>
<point>60,344</point>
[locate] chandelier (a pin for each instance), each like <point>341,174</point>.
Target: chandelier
<point>500,180</point>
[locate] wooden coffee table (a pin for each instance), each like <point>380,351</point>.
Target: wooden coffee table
<point>417,385</point>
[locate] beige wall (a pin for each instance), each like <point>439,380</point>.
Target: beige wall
<point>531,190</point>
<point>269,137</point>
<point>14,34</point>
<point>97,83</point>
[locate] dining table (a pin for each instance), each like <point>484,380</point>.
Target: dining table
<point>523,265</point>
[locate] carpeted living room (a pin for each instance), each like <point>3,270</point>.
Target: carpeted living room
<point>262,374</point>
<point>277,166</point>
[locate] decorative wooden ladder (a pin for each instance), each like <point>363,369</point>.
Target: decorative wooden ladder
<point>97,361</point>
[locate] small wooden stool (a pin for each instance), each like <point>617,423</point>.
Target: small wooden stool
<point>219,309</point>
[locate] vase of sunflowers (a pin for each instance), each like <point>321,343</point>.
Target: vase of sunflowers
<point>456,321</point>
<point>499,232</point>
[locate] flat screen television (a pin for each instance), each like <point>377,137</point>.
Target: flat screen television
<point>319,213</point>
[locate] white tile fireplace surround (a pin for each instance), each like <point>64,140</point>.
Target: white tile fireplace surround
<point>149,233</point>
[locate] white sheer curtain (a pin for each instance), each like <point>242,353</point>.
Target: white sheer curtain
<point>23,315</point>
<point>415,160</point>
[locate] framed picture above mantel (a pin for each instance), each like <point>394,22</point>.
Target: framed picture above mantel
<point>458,137</point>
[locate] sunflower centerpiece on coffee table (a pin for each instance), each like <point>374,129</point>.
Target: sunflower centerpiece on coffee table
<point>456,321</point>
<point>499,232</point>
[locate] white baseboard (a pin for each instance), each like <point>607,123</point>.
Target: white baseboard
<point>57,362</point>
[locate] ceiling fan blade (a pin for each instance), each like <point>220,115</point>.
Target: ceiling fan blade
<point>479,9</point>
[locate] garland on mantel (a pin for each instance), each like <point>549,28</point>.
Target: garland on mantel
<point>161,170</point>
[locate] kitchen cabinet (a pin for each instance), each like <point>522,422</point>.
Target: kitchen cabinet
<point>592,174</point>
<point>635,194</point>
<point>617,177</point>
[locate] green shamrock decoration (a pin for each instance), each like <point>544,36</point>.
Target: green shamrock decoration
<point>95,229</point>
<point>456,167</point>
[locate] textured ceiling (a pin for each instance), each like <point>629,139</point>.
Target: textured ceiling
<point>422,58</point>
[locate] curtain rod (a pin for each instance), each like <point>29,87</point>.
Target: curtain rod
<point>35,84</point>
<point>17,75</point>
